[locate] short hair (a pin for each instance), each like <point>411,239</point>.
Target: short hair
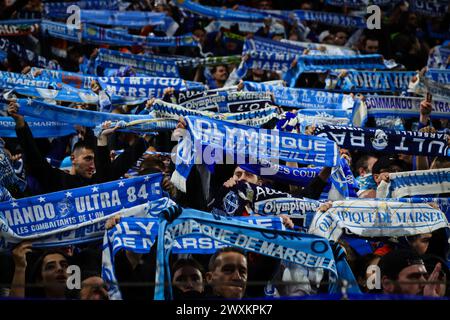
<point>213,259</point>
<point>190,262</point>
<point>83,145</point>
<point>214,68</point>
<point>363,161</point>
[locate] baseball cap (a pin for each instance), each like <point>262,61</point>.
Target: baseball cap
<point>323,35</point>
<point>387,163</point>
<point>395,261</point>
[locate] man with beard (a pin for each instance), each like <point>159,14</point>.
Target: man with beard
<point>404,272</point>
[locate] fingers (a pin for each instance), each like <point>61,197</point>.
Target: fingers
<point>287,222</point>
<point>230,183</point>
<point>325,206</point>
<point>111,222</point>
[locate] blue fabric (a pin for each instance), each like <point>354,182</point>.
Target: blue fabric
<point>39,128</point>
<point>388,141</point>
<point>146,65</point>
<point>62,211</point>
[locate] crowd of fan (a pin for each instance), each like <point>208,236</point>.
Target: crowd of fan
<point>405,263</point>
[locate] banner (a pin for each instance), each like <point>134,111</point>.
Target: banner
<point>377,219</point>
<point>140,63</point>
<point>414,183</point>
<point>39,128</point>
<point>18,27</point>
<point>57,212</point>
<point>387,141</point>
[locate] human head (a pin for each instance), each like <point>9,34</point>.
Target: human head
<point>264,4</point>
<point>227,273</point>
<point>420,242</point>
<point>220,73</point>
<point>242,175</point>
<point>326,37</point>
<point>50,273</point>
<point>188,275</point>
<point>365,164</point>
<point>387,164</point>
<point>403,272</point>
<point>370,45</point>
<point>340,38</point>
<point>82,158</point>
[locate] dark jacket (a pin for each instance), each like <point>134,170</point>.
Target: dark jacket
<point>53,179</point>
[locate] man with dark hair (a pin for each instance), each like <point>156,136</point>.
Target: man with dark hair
<point>227,275</point>
<point>386,165</point>
<point>220,75</point>
<point>188,276</point>
<point>404,272</point>
<point>90,163</point>
<point>370,45</point>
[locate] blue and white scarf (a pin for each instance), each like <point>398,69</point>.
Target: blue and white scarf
<point>145,87</point>
<point>27,55</point>
<point>387,141</point>
<point>303,98</point>
<point>59,9</point>
<point>439,75</point>
<point>375,81</point>
<point>307,250</point>
<point>97,35</point>
<point>206,141</point>
<point>10,80</point>
<point>166,110</point>
<point>122,18</point>
<point>292,47</point>
<point>438,58</point>
<point>139,234</point>
<point>414,183</point>
<point>225,101</point>
<point>76,80</point>
<point>39,128</point>
<point>8,177</point>
<point>147,65</point>
<point>58,212</point>
<point>61,31</point>
<point>18,27</point>
<point>218,13</point>
<point>377,219</point>
<point>87,118</point>
<point>443,203</point>
<point>329,18</point>
<point>358,3</point>
<point>430,8</point>
<point>401,107</point>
